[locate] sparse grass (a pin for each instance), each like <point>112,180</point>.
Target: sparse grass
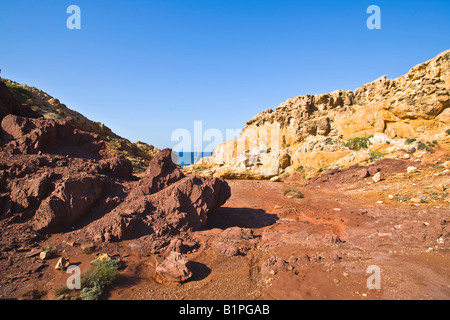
<point>330,142</point>
<point>375,155</point>
<point>61,291</point>
<point>19,92</point>
<point>300,168</point>
<point>358,143</point>
<point>199,168</point>
<point>99,276</point>
<point>88,250</point>
<point>401,198</point>
<point>294,193</point>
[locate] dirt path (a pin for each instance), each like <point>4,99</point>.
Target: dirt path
<point>334,236</point>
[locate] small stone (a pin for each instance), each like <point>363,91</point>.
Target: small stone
<point>336,281</point>
<point>390,197</point>
<point>416,200</point>
<point>44,255</point>
<point>275,179</point>
<point>411,169</point>
<point>377,177</point>
<point>278,207</point>
<point>62,264</point>
<point>380,202</point>
<point>406,156</point>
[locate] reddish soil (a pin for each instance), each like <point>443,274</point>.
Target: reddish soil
<point>327,240</point>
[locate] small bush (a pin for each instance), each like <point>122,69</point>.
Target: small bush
<point>300,168</point>
<point>88,250</point>
<point>20,93</point>
<point>410,140</point>
<point>422,146</point>
<point>294,193</point>
<point>375,155</point>
<point>447,131</point>
<point>100,275</point>
<point>91,293</point>
<point>358,143</point>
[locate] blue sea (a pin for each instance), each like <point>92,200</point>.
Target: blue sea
<point>188,158</point>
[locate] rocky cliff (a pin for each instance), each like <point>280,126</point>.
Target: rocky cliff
<point>32,100</point>
<point>384,118</point>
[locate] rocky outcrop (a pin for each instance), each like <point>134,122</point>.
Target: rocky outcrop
<point>37,103</point>
<point>55,177</point>
<point>70,201</point>
<point>161,172</point>
<point>182,207</point>
<point>29,135</point>
<point>8,104</point>
<point>313,130</point>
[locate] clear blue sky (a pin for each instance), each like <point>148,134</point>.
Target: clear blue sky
<point>146,68</point>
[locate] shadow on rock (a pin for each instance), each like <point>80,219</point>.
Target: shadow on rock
<point>199,270</point>
<point>225,217</point>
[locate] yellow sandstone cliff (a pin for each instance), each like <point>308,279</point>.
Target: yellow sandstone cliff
<point>307,133</point>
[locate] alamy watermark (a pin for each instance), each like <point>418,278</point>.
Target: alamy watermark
<point>374,21</point>
<point>74,20</point>
<point>74,281</point>
<point>374,281</point>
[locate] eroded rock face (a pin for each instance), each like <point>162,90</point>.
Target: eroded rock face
<point>55,174</point>
<point>309,130</point>
<point>70,201</point>
<point>29,136</point>
<point>161,173</point>
<point>183,206</point>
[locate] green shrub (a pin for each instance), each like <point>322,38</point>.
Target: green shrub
<point>422,146</point>
<point>100,273</point>
<point>358,143</point>
<point>91,293</point>
<point>375,155</point>
<point>410,140</point>
<point>19,92</point>
<point>447,131</point>
<point>294,193</point>
<point>88,250</point>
